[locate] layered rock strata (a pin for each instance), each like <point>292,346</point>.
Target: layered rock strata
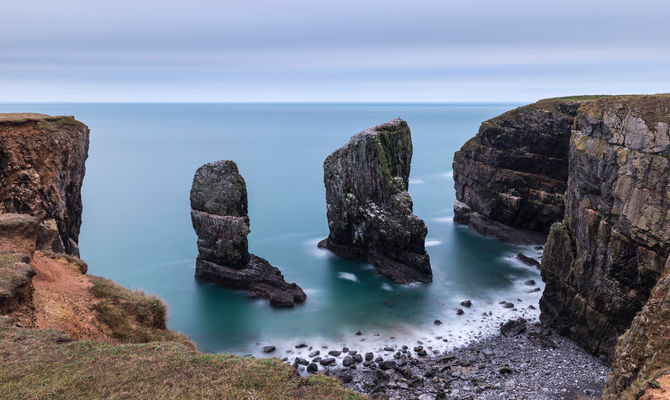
<point>219,217</point>
<point>368,207</point>
<point>41,169</point>
<point>510,178</point>
<point>602,261</point>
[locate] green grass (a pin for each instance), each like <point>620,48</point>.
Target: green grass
<point>130,315</point>
<point>42,364</point>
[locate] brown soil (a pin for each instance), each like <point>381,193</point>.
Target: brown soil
<point>63,299</point>
<point>662,393</point>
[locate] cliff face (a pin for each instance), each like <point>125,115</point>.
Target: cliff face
<point>602,261</point>
<point>369,209</point>
<point>642,358</point>
<point>41,169</point>
<point>514,172</point>
<point>219,217</point>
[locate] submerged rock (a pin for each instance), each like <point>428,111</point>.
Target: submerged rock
<point>369,209</point>
<point>219,217</point>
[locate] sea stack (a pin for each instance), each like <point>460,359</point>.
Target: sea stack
<point>369,210</point>
<point>219,217</point>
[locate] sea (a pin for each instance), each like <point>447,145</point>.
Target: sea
<point>137,230</point>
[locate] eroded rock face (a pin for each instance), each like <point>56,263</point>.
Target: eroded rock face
<point>602,261</point>
<point>643,353</point>
<point>219,217</point>
<point>510,178</point>
<point>41,169</point>
<point>369,210</point>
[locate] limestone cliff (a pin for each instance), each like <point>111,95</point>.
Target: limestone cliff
<point>41,169</point>
<point>219,217</point>
<point>514,172</point>
<point>368,207</point>
<point>602,261</point>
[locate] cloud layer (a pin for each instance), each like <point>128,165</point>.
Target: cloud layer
<point>262,50</point>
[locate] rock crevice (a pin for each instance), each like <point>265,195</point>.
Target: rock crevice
<point>368,207</point>
<point>219,217</point>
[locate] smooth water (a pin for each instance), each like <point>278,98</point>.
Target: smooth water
<point>137,230</point>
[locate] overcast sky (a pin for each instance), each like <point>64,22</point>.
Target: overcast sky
<point>341,50</point>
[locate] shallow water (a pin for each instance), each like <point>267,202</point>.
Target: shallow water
<point>137,229</point>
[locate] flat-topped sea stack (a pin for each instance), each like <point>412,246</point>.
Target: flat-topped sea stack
<point>369,209</point>
<point>219,216</point>
<point>42,165</point>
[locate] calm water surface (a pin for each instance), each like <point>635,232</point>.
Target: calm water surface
<point>137,230</point>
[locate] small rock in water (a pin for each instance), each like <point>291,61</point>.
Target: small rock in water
<point>269,349</point>
<point>334,353</point>
<point>437,322</point>
<point>314,353</point>
<point>466,303</point>
<point>530,283</point>
<point>301,361</point>
<point>537,289</point>
<point>508,305</point>
<point>389,348</point>
<point>300,346</point>
<point>528,260</point>
<point>369,356</point>
<point>359,333</point>
<point>460,311</point>
<point>347,361</point>
<point>358,358</point>
<point>327,361</point>
<point>312,368</point>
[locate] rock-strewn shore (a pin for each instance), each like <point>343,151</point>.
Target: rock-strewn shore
<point>526,362</point>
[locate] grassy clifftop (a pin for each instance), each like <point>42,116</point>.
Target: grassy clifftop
<point>44,364</point>
<point>125,350</point>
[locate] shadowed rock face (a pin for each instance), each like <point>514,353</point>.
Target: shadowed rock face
<point>601,263</point>
<point>219,217</point>
<point>42,165</point>
<point>510,178</point>
<point>369,210</point>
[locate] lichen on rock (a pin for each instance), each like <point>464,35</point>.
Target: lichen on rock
<point>368,207</point>
<point>219,217</point>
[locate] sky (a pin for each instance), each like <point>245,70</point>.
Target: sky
<point>330,51</point>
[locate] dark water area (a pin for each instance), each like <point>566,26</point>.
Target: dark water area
<point>137,231</point>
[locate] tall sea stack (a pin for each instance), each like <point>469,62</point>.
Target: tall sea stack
<point>219,217</point>
<point>369,209</point>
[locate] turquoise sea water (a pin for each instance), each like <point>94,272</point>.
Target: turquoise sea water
<point>137,229</point>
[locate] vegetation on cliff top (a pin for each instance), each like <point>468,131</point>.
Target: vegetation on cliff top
<point>48,364</point>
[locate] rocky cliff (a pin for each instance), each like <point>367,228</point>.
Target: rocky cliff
<point>219,216</point>
<point>510,178</point>
<point>641,369</point>
<point>603,259</point>
<point>41,170</point>
<point>369,209</point>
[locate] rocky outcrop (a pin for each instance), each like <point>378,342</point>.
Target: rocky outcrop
<point>219,217</point>
<point>369,210</point>
<point>510,178</point>
<point>602,261</point>
<point>16,289</point>
<point>642,357</point>
<point>41,169</point>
